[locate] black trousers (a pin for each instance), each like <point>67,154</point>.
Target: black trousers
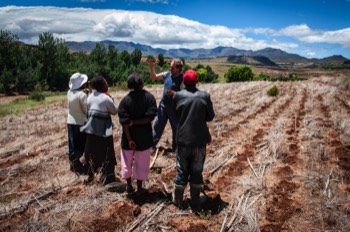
<point>76,146</point>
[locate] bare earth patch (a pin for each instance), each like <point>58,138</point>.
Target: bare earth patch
<point>275,164</point>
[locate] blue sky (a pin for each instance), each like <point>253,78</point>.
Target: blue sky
<point>311,28</point>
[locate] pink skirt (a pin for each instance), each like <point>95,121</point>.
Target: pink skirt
<point>135,164</point>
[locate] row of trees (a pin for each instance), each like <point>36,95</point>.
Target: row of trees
<point>48,66</point>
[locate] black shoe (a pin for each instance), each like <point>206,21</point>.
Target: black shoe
<point>130,189</point>
<point>109,179</point>
<point>78,168</point>
<point>116,187</point>
<point>141,191</point>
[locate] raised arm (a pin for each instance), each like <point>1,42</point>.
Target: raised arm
<point>152,72</point>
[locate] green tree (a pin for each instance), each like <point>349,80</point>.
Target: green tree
<point>112,57</point>
<point>6,81</point>
<point>27,70</point>
<point>186,67</point>
<point>80,62</point>
<point>206,74</point>
<point>62,75</point>
<point>239,73</point>
<point>54,57</point>
<point>150,58</point>
<point>183,61</point>
<point>136,56</point>
<point>126,58</point>
<point>161,60</point>
<point>9,58</point>
<point>99,57</point>
<point>120,75</point>
<point>211,75</point>
<point>199,66</point>
<point>115,65</point>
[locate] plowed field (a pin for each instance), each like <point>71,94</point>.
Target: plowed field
<point>275,164</point>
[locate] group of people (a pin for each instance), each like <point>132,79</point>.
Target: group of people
<point>90,137</point>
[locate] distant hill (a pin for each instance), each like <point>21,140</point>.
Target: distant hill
<point>267,56</point>
<point>331,60</point>
<point>251,60</point>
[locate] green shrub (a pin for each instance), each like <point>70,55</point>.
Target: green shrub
<point>239,73</point>
<point>273,91</point>
<point>294,77</point>
<point>202,74</point>
<point>262,77</point>
<point>212,77</point>
<point>289,77</point>
<point>36,96</point>
<point>280,77</point>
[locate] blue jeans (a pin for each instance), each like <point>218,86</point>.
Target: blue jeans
<point>164,113</point>
<point>189,165</point>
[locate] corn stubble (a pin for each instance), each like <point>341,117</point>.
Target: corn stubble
<point>274,164</point>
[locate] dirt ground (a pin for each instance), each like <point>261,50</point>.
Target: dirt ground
<point>275,164</point>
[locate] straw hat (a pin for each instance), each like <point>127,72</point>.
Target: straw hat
<point>77,80</point>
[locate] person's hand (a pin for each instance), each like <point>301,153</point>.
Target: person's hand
<point>131,123</point>
<point>82,159</point>
<point>86,91</point>
<point>170,92</point>
<point>132,144</point>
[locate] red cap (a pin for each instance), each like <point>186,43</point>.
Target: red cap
<point>190,77</point>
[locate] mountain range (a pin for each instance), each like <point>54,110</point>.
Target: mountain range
<point>264,57</point>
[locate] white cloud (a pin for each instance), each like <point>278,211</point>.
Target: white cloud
<point>158,31</point>
<point>305,34</point>
<point>296,31</point>
<point>311,54</point>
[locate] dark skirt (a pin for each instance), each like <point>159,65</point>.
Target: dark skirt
<point>99,152</point>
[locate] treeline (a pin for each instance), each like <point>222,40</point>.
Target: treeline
<point>48,66</point>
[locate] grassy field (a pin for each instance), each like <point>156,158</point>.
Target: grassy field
<point>20,105</point>
<point>218,68</point>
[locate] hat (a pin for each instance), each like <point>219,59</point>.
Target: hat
<point>77,80</point>
<point>190,77</point>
